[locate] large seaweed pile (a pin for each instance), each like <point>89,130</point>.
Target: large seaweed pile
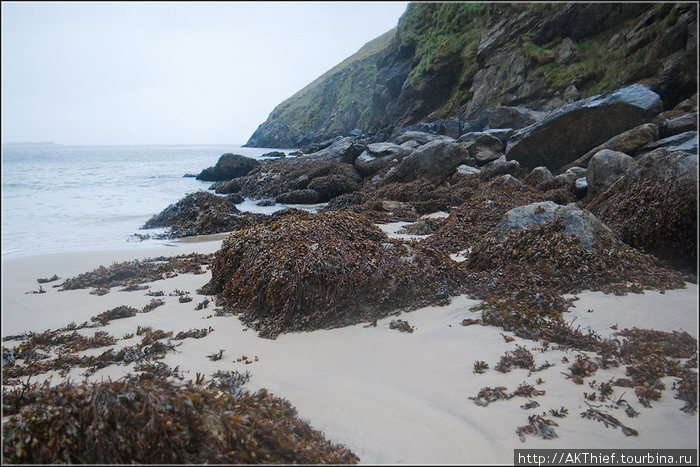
<point>201,213</point>
<point>541,261</point>
<point>307,271</point>
<point>654,208</point>
<point>135,420</point>
<point>479,214</point>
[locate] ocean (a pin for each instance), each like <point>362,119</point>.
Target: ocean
<point>59,198</point>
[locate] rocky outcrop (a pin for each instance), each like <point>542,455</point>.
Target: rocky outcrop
<point>227,167</point>
<point>435,161</point>
<point>583,125</point>
<point>201,213</point>
<point>451,68</point>
<point>654,207</point>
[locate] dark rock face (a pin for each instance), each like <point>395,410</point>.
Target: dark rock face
<point>227,167</point>
<point>654,207</point>
<point>435,161</point>
<point>201,213</point>
<point>570,132</point>
<point>305,196</point>
<point>307,271</point>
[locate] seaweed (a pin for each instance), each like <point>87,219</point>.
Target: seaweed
<point>519,358</point>
<point>312,271</point>
<point>537,425</point>
<point>480,366</point>
<point>401,325</point>
<point>132,273</point>
<point>608,420</point>
<point>155,420</point>
<point>115,313</point>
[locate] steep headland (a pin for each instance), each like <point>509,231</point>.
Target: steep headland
<point>446,66</point>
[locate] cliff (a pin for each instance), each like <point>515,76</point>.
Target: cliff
<point>446,66</point>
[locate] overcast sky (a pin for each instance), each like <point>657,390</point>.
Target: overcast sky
<point>168,73</point>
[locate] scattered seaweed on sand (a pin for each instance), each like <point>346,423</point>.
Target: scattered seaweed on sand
<point>131,273</point>
<point>115,313</point>
<point>518,358</point>
<point>608,420</point>
<point>480,366</point>
<point>152,305</point>
<point>401,325</point>
<point>193,333</point>
<point>155,420</point>
<point>537,425</point>
<point>487,395</point>
<point>424,226</point>
<point>202,305</point>
<point>581,368</point>
<point>45,280</point>
<point>527,390</point>
<point>530,405</point>
<point>559,413</point>
<point>311,271</point>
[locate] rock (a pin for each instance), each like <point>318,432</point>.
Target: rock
<point>435,161</point>
<point>499,167</point>
<point>677,125</point>
<point>305,196</point>
<point>687,142</point>
<point>605,168</point>
<point>577,221</point>
<point>227,167</point>
<point>228,186</point>
<point>201,213</point>
<point>513,117</point>
<point>420,137</point>
<point>484,149</point>
<point>583,125</point>
<point>654,207</point>
<point>379,156</point>
<point>581,187</point>
<point>330,186</point>
<point>467,170</point>
<point>274,154</point>
<point>312,271</point>
<point>629,142</point>
<point>342,150</point>
<point>566,52</point>
<point>538,175</point>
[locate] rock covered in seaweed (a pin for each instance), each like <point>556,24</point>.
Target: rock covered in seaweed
<point>331,269</point>
<point>201,213</point>
<point>580,222</point>
<point>654,207</point>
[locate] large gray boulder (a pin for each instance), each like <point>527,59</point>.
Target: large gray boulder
<point>227,167</point>
<point>435,161</point>
<point>686,142</point>
<point>577,221</point>
<point>420,137</point>
<point>605,168</point>
<point>342,150</point>
<point>568,133</point>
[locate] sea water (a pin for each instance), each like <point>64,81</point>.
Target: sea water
<point>61,198</point>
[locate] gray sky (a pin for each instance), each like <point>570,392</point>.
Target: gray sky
<point>168,73</point>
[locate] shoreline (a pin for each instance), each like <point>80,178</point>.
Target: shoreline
<point>397,397</point>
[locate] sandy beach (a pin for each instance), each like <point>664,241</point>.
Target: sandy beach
<point>391,397</point>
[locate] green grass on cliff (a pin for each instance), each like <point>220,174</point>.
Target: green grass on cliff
<point>345,87</point>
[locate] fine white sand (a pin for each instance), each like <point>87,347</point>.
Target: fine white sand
<point>391,397</point>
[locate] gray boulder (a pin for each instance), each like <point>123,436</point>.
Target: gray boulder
<point>686,142</point>
<point>342,150</point>
<point>420,137</point>
<point>605,168</point>
<point>499,167</point>
<point>629,142</point>
<point>582,125</point>
<point>227,167</point>
<point>538,175</point>
<point>435,161</point>
<point>483,147</point>
<point>577,221</point>
<point>379,156</point>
